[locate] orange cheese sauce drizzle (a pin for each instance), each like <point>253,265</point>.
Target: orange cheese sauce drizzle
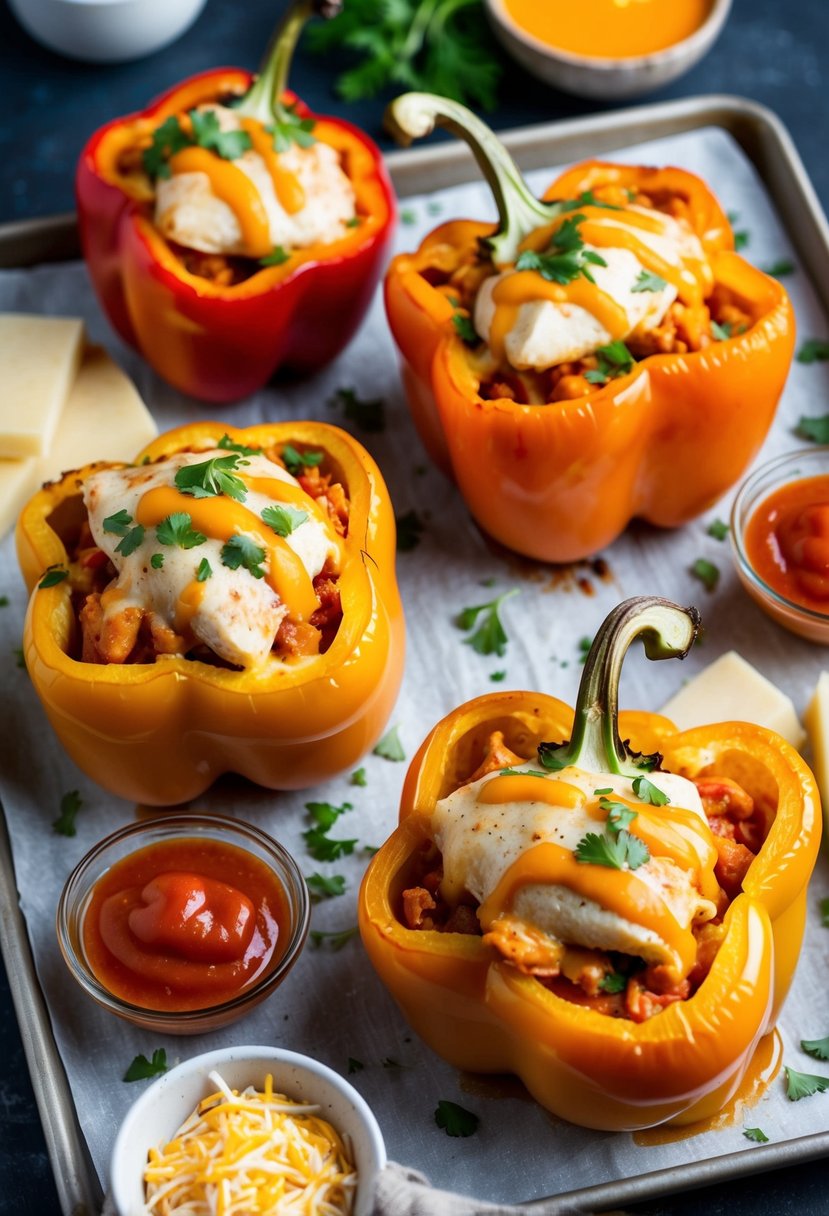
<point>285,492</point>
<point>287,186</point>
<point>235,189</point>
<point>526,285</point>
<point>221,518</point>
<point>618,891</point>
<point>609,29</point>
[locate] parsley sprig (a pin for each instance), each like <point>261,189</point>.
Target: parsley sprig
<point>619,851</point>
<point>283,519</point>
<point>141,1069</point>
<point>242,551</point>
<point>456,1120</point>
<point>645,281</point>
<point>390,747</point>
<point>296,462</point>
<point>804,1084</point>
<point>177,529</point>
<point>614,360</point>
<point>319,844</point>
<point>489,637</point>
<point>70,804</point>
<point>289,128</point>
<point>211,477</point>
<point>206,132</point>
<point>646,791</point>
<point>566,258</point>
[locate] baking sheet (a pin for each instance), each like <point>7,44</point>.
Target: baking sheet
<point>519,1151</point>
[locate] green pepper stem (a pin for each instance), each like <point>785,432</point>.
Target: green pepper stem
<point>263,99</point>
<point>413,115</point>
<point>668,632</point>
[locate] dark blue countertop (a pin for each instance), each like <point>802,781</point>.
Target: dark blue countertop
<point>770,51</point>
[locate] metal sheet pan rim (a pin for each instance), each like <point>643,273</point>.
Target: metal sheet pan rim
<point>789,185</point>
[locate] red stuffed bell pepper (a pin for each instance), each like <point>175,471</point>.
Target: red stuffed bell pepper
<point>229,232</point>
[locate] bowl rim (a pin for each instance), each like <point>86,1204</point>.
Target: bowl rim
<point>178,826</point>
<point>738,551</point>
<point>698,39</point>
<point>210,1060</point>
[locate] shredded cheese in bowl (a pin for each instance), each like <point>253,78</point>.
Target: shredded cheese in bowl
<point>251,1154</point>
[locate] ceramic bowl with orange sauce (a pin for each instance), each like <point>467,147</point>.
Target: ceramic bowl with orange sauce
<point>608,49</point>
<point>780,540</point>
<point>183,923</point>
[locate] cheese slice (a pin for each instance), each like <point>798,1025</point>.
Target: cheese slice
<point>104,418</point>
<point>817,724</point>
<point>731,690</point>
<point>39,357</point>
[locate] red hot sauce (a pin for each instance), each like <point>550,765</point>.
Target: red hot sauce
<point>185,924</point>
<point>787,542</point>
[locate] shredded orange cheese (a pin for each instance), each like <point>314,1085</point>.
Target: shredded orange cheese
<point>251,1154</point>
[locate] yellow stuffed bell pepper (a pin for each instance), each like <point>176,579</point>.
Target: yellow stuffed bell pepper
<point>226,604</point>
<point>617,923</point>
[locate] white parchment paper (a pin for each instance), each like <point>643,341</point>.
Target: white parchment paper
<point>332,1005</point>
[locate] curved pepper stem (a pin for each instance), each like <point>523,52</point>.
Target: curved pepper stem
<point>668,632</point>
<point>413,115</point>
<point>263,100</point>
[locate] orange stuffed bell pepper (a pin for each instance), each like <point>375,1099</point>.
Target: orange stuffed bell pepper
<point>226,604</point>
<point>594,358</point>
<point>617,923</point>
<point>228,231</point>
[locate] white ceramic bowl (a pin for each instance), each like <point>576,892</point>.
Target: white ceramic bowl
<point>163,1107</point>
<point>606,79</point>
<point>105,31</point>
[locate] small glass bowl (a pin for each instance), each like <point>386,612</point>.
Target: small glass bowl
<point>77,892</point>
<point>794,466</point>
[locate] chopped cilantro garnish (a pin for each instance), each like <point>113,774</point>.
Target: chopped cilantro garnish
<point>619,815</point>
<point>804,1084</point>
<point>584,649</point>
<point>335,940</point>
<point>324,886</point>
<point>177,529</point>
<point>407,216</point>
<point>819,1048</point>
<point>646,791</point>
<point>118,524</point>
<point>617,852</point>
<point>614,360</point>
<point>824,912</point>
<point>284,519</point>
<point>167,139</point>
<point>567,257</point>
<point>142,1069</point>
<point>717,529</point>
<point>52,576</point>
<point>207,133</point>
<point>70,804</point>
<point>390,747</point>
<point>814,428</point>
<point>129,543</point>
<point>721,332</point>
<point>780,269</point>
<point>288,128</point>
<point>549,757</point>
<point>367,415</point>
<point>497,676</point>
<point>521,772</point>
<point>741,239</point>
<point>434,208</point>
<point>588,199</point>
<point>204,572</point>
<point>242,551</point>
<point>4,601</point>
<point>490,636</point>
<point>813,351</point>
<point>354,222</point>
<point>211,477</point>
<point>755,1133</point>
<point>230,445</point>
<point>613,982</point>
<point>295,461</point>
<point>20,657</point>
<point>465,329</point>
<point>278,256</point>
<point>319,844</point>
<point>707,573</point>
<point>157,561</point>
<point>358,777</point>
<point>409,529</point>
<point>645,281</point>
<point>455,1120</point>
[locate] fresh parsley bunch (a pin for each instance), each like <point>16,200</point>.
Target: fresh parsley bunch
<point>434,46</point>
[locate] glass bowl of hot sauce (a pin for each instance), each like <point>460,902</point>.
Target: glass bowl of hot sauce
<point>182,924</point>
<point>780,540</point>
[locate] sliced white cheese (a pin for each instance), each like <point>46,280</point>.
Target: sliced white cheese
<point>39,357</point>
<point>730,690</point>
<point>817,724</point>
<point>104,418</point>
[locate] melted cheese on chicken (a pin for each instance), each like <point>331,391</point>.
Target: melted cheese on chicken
<point>535,324</point>
<point>232,611</point>
<point>509,841</point>
<point>257,201</point>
